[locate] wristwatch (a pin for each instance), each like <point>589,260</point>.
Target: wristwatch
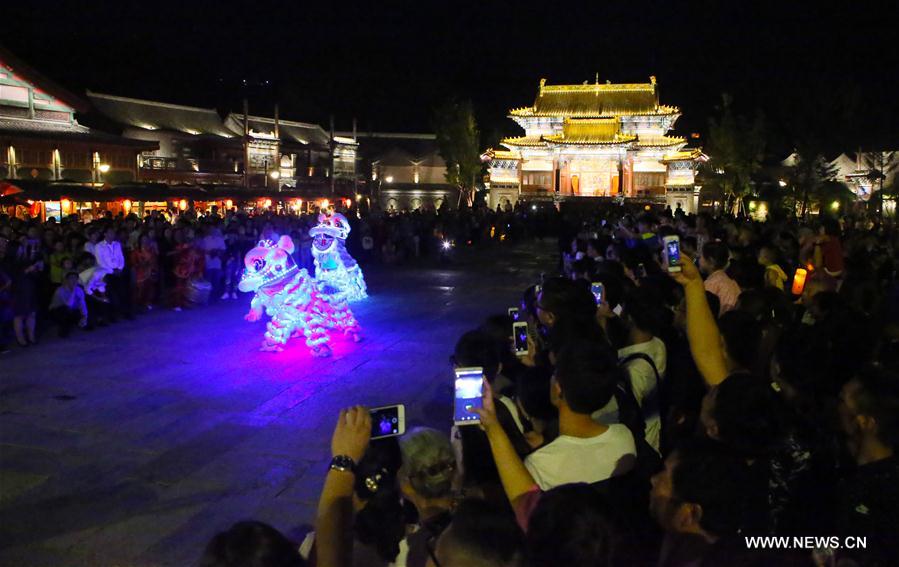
<point>343,463</point>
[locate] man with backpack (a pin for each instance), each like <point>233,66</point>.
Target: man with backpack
<point>644,362</point>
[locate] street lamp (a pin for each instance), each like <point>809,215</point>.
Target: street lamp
<point>103,168</point>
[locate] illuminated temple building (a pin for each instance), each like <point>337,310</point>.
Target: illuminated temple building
<point>595,140</point>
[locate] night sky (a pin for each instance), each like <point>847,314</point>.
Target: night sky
<point>807,68</point>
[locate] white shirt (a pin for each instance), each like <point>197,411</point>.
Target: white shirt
<point>109,255</point>
<point>210,243</point>
<point>574,459</point>
<point>643,384</point>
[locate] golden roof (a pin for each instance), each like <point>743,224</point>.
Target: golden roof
<point>501,154</point>
<point>595,100</point>
<point>526,141</point>
<point>592,131</point>
<point>659,141</point>
<point>686,154</point>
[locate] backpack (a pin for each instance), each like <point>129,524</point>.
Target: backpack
<point>631,416</point>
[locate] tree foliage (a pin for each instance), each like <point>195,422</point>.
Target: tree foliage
<point>458,142</point>
<point>736,148</point>
<point>812,177</point>
<point>882,166</point>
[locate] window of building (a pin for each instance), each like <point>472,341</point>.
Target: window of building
<point>13,93</point>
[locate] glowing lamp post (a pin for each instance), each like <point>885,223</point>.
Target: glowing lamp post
<point>103,168</point>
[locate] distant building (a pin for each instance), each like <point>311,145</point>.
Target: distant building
<point>40,138</point>
<point>404,171</point>
<point>595,140</point>
<point>859,172</point>
<point>198,146</point>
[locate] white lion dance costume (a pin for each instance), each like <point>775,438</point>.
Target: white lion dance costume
<point>296,302</point>
<point>333,264</point>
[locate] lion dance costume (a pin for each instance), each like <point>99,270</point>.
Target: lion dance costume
<point>296,302</point>
<point>333,264</point>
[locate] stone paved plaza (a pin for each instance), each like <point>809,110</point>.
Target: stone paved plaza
<point>133,444</point>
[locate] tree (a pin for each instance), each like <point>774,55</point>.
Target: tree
<point>811,175</point>
<point>458,142</point>
<point>736,149</point>
<point>882,166</point>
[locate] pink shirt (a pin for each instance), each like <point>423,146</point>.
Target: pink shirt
<point>725,288</point>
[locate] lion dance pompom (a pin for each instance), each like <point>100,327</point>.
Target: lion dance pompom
<point>297,303</point>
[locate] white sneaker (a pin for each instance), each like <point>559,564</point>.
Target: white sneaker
<point>224,295</point>
<point>149,308</point>
<point>176,309</point>
<point>233,295</point>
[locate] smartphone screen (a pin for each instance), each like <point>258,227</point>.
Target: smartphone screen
<point>520,334</point>
<point>469,382</point>
<point>388,421</point>
<point>513,313</point>
<point>597,289</point>
<point>672,251</point>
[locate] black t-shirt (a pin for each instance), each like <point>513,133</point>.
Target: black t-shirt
<point>869,507</point>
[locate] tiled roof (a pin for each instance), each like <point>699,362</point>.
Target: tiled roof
<point>686,154</point>
<point>64,131</point>
<point>152,115</point>
<point>44,126</point>
<point>591,131</point>
<point>659,141</point>
<point>289,130</point>
<point>595,100</point>
<point>526,141</point>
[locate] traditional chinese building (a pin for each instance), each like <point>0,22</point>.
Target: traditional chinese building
<point>199,146</point>
<point>41,139</point>
<point>595,140</point>
<point>404,171</point>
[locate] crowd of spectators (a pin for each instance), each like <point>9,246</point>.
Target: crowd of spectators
<point>70,273</point>
<point>663,424</point>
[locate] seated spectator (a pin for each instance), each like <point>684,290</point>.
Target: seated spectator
<point>480,535</point>
<point>644,360</point>
<point>584,451</point>
<point>251,544</point>
<point>68,306</point>
<point>712,263</point>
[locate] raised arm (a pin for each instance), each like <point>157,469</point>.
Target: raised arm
<point>702,330</point>
<point>334,520</point>
<point>512,473</point>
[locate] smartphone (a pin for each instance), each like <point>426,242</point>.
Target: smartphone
<point>520,335</point>
<point>799,281</point>
<point>469,385</point>
<point>597,289</point>
<point>513,313</point>
<point>388,421</point>
<point>672,253</point>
